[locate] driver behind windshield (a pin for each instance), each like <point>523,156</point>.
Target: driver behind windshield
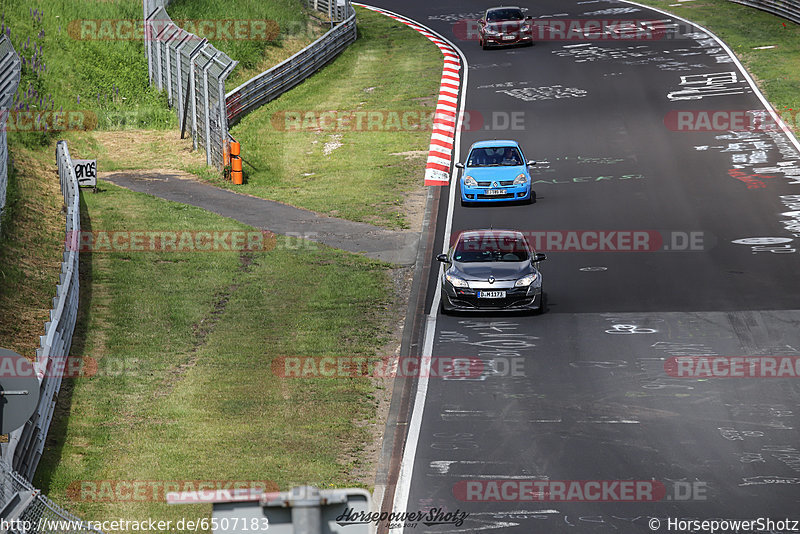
<point>511,157</point>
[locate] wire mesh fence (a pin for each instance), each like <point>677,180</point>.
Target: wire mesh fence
<point>192,72</point>
<point>32,512</point>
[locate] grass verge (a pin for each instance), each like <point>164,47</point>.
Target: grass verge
<point>358,175</point>
<point>79,56</point>
<point>30,251</point>
<point>744,29</point>
<point>295,31</point>
<point>188,340</point>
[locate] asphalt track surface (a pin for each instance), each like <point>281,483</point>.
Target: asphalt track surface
<point>593,400</point>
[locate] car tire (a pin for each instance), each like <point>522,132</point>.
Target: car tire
<point>442,309</point>
<point>532,198</point>
<point>542,304</point>
<point>484,45</point>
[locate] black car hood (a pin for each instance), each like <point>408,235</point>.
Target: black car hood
<point>501,270</point>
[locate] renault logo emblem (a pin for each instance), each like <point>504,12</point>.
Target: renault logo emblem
<point>494,184</point>
<point>491,279</point>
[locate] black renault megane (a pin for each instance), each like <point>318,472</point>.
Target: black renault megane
<point>491,270</point>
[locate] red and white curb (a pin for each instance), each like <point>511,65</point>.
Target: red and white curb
<point>440,151</point>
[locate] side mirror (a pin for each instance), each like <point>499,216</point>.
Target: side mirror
<point>539,256</point>
<point>459,165</point>
<point>443,258</point>
<point>530,163</point>
<point>481,21</point>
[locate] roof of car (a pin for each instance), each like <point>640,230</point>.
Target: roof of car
<point>493,232</point>
<point>494,143</point>
<point>502,7</point>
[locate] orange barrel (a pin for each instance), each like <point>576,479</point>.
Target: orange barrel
<point>235,148</point>
<point>236,169</point>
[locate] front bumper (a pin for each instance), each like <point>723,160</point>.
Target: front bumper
<point>503,39</point>
<point>518,298</point>
<point>479,194</point>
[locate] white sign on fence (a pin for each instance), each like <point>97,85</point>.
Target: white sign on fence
<point>86,172</point>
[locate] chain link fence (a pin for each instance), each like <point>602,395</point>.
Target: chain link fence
<point>336,10</point>
<point>30,508</point>
<point>788,9</point>
<point>10,72</point>
<point>193,73</point>
<point>26,444</point>
<point>270,84</point>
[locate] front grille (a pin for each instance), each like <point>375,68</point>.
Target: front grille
<point>507,182</point>
<point>485,197</point>
<point>484,184</point>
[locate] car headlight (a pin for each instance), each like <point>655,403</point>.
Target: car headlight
<point>456,281</point>
<point>469,181</point>
<point>525,281</point>
<point>492,31</point>
<point>521,180</point>
<point>525,28</point>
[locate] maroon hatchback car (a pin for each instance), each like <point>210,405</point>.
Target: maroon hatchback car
<point>502,26</point>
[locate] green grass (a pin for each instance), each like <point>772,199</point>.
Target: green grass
<point>107,78</point>
<point>98,76</point>
<point>196,334</point>
<point>295,31</point>
<point>389,68</point>
<point>744,28</point>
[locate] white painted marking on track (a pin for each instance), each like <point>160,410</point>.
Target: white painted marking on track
<point>756,91</point>
<point>403,487</point>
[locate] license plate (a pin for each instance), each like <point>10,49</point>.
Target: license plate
<point>508,37</point>
<point>490,192</point>
<point>491,294</point>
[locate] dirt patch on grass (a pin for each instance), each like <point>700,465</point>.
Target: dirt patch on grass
<point>145,149</point>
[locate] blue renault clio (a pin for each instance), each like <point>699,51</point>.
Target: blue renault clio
<point>496,171</point>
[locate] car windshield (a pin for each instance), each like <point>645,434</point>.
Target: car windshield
<point>491,247</point>
<point>497,15</point>
<point>494,157</point>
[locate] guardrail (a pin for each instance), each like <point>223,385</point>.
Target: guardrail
<point>27,443</point>
<point>10,73</point>
<point>193,73</point>
<point>788,9</point>
<point>272,83</point>
<point>25,504</point>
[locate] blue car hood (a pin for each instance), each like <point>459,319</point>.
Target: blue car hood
<point>494,173</point>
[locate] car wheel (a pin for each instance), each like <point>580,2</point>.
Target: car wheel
<point>484,45</point>
<point>442,309</point>
<point>533,197</point>
<point>542,304</point>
